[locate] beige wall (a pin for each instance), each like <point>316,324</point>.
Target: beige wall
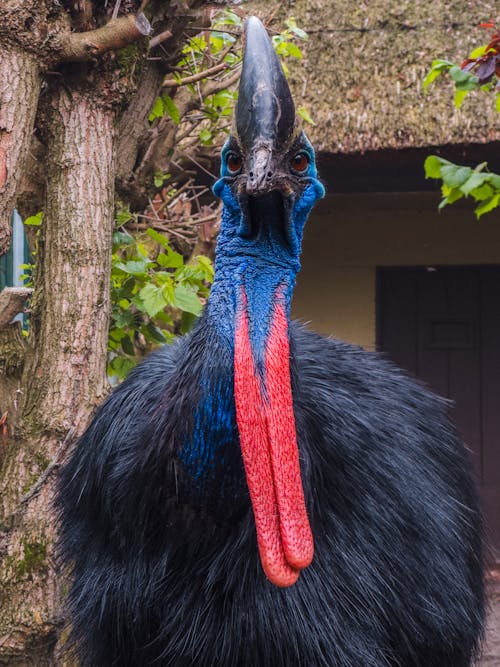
<point>350,235</point>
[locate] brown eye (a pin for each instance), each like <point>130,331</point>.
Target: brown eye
<point>233,162</point>
<point>299,162</point>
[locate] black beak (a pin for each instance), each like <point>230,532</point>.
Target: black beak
<point>265,112</point>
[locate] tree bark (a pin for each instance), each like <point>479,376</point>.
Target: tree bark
<point>19,91</point>
<point>65,377</point>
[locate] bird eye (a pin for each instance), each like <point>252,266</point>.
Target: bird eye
<point>233,163</point>
<point>299,162</point>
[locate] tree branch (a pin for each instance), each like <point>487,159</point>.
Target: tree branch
<point>212,87</point>
<point>81,46</point>
<point>173,83</point>
<point>158,39</point>
<point>11,303</point>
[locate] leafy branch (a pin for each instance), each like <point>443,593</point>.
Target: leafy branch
<point>459,181</point>
<point>480,71</point>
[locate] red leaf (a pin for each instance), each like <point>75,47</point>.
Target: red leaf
<point>489,24</point>
<point>494,45</point>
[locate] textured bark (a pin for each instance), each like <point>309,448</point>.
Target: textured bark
<point>134,128</point>
<point>81,46</point>
<point>66,375</point>
<point>70,306</point>
<point>19,90</point>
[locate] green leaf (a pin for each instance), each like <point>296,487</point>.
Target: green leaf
<point>122,238</point>
<point>304,114</point>
<point>171,260</point>
<point>168,292</point>
<point>124,318</point>
<point>127,346</point>
<point>438,67</point>
<point>292,26</point>
<point>464,81</point>
<point>206,266</point>
<point>487,205</point>
<point>484,191</point>
<point>157,111</point>
<point>34,220</point>
<point>432,166</point>
<point>475,180</point>
<point>478,52</point>
<point>159,238</point>
<point>450,195</point>
<point>494,179</point>
<point>133,267</point>
<point>123,215</point>
<point>206,137</point>
<point>187,300</point>
<point>459,98</point>
<point>293,50</point>
<point>152,299</point>
<point>155,333</point>
<point>454,175</point>
<point>120,367</point>
<point>171,108</point>
<point>497,102</point>
<point>187,321</point>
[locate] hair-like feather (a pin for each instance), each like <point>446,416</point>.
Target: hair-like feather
<point>166,574</point>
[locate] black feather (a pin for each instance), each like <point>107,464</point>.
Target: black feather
<point>166,572</point>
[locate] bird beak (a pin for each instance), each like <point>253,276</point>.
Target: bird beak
<point>265,112</point>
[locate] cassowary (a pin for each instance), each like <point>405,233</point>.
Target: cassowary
<point>256,495</point>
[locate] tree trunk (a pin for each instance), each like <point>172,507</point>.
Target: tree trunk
<point>65,377</point>
<point>19,90</point>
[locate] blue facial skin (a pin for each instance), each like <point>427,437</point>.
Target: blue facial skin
<point>260,265</point>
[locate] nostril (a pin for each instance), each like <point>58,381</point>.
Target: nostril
<point>269,174</point>
<point>251,174</point>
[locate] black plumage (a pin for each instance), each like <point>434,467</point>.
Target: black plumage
<point>164,578</point>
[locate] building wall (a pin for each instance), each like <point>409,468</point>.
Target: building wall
<point>350,235</point>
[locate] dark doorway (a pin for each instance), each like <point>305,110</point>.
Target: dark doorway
<point>443,325</point>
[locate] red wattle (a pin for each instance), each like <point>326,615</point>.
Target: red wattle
<point>296,532</point>
<point>268,443</point>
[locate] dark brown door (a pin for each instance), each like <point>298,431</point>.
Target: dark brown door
<point>443,325</point>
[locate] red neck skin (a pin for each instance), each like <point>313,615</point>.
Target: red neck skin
<point>268,440</point>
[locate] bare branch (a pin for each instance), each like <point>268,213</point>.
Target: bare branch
<point>212,87</point>
<point>158,39</point>
<point>172,83</point>
<point>81,46</point>
<point>12,301</point>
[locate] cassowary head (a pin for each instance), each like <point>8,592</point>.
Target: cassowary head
<point>268,170</point>
<point>268,185</point>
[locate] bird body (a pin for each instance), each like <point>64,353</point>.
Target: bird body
<point>256,495</point>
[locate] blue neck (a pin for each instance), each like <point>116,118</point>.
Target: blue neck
<point>259,266</point>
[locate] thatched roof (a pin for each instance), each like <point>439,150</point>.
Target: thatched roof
<point>361,76</point>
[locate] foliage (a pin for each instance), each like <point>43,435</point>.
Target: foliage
<point>480,71</point>
<point>149,283</point>
<point>459,181</point>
